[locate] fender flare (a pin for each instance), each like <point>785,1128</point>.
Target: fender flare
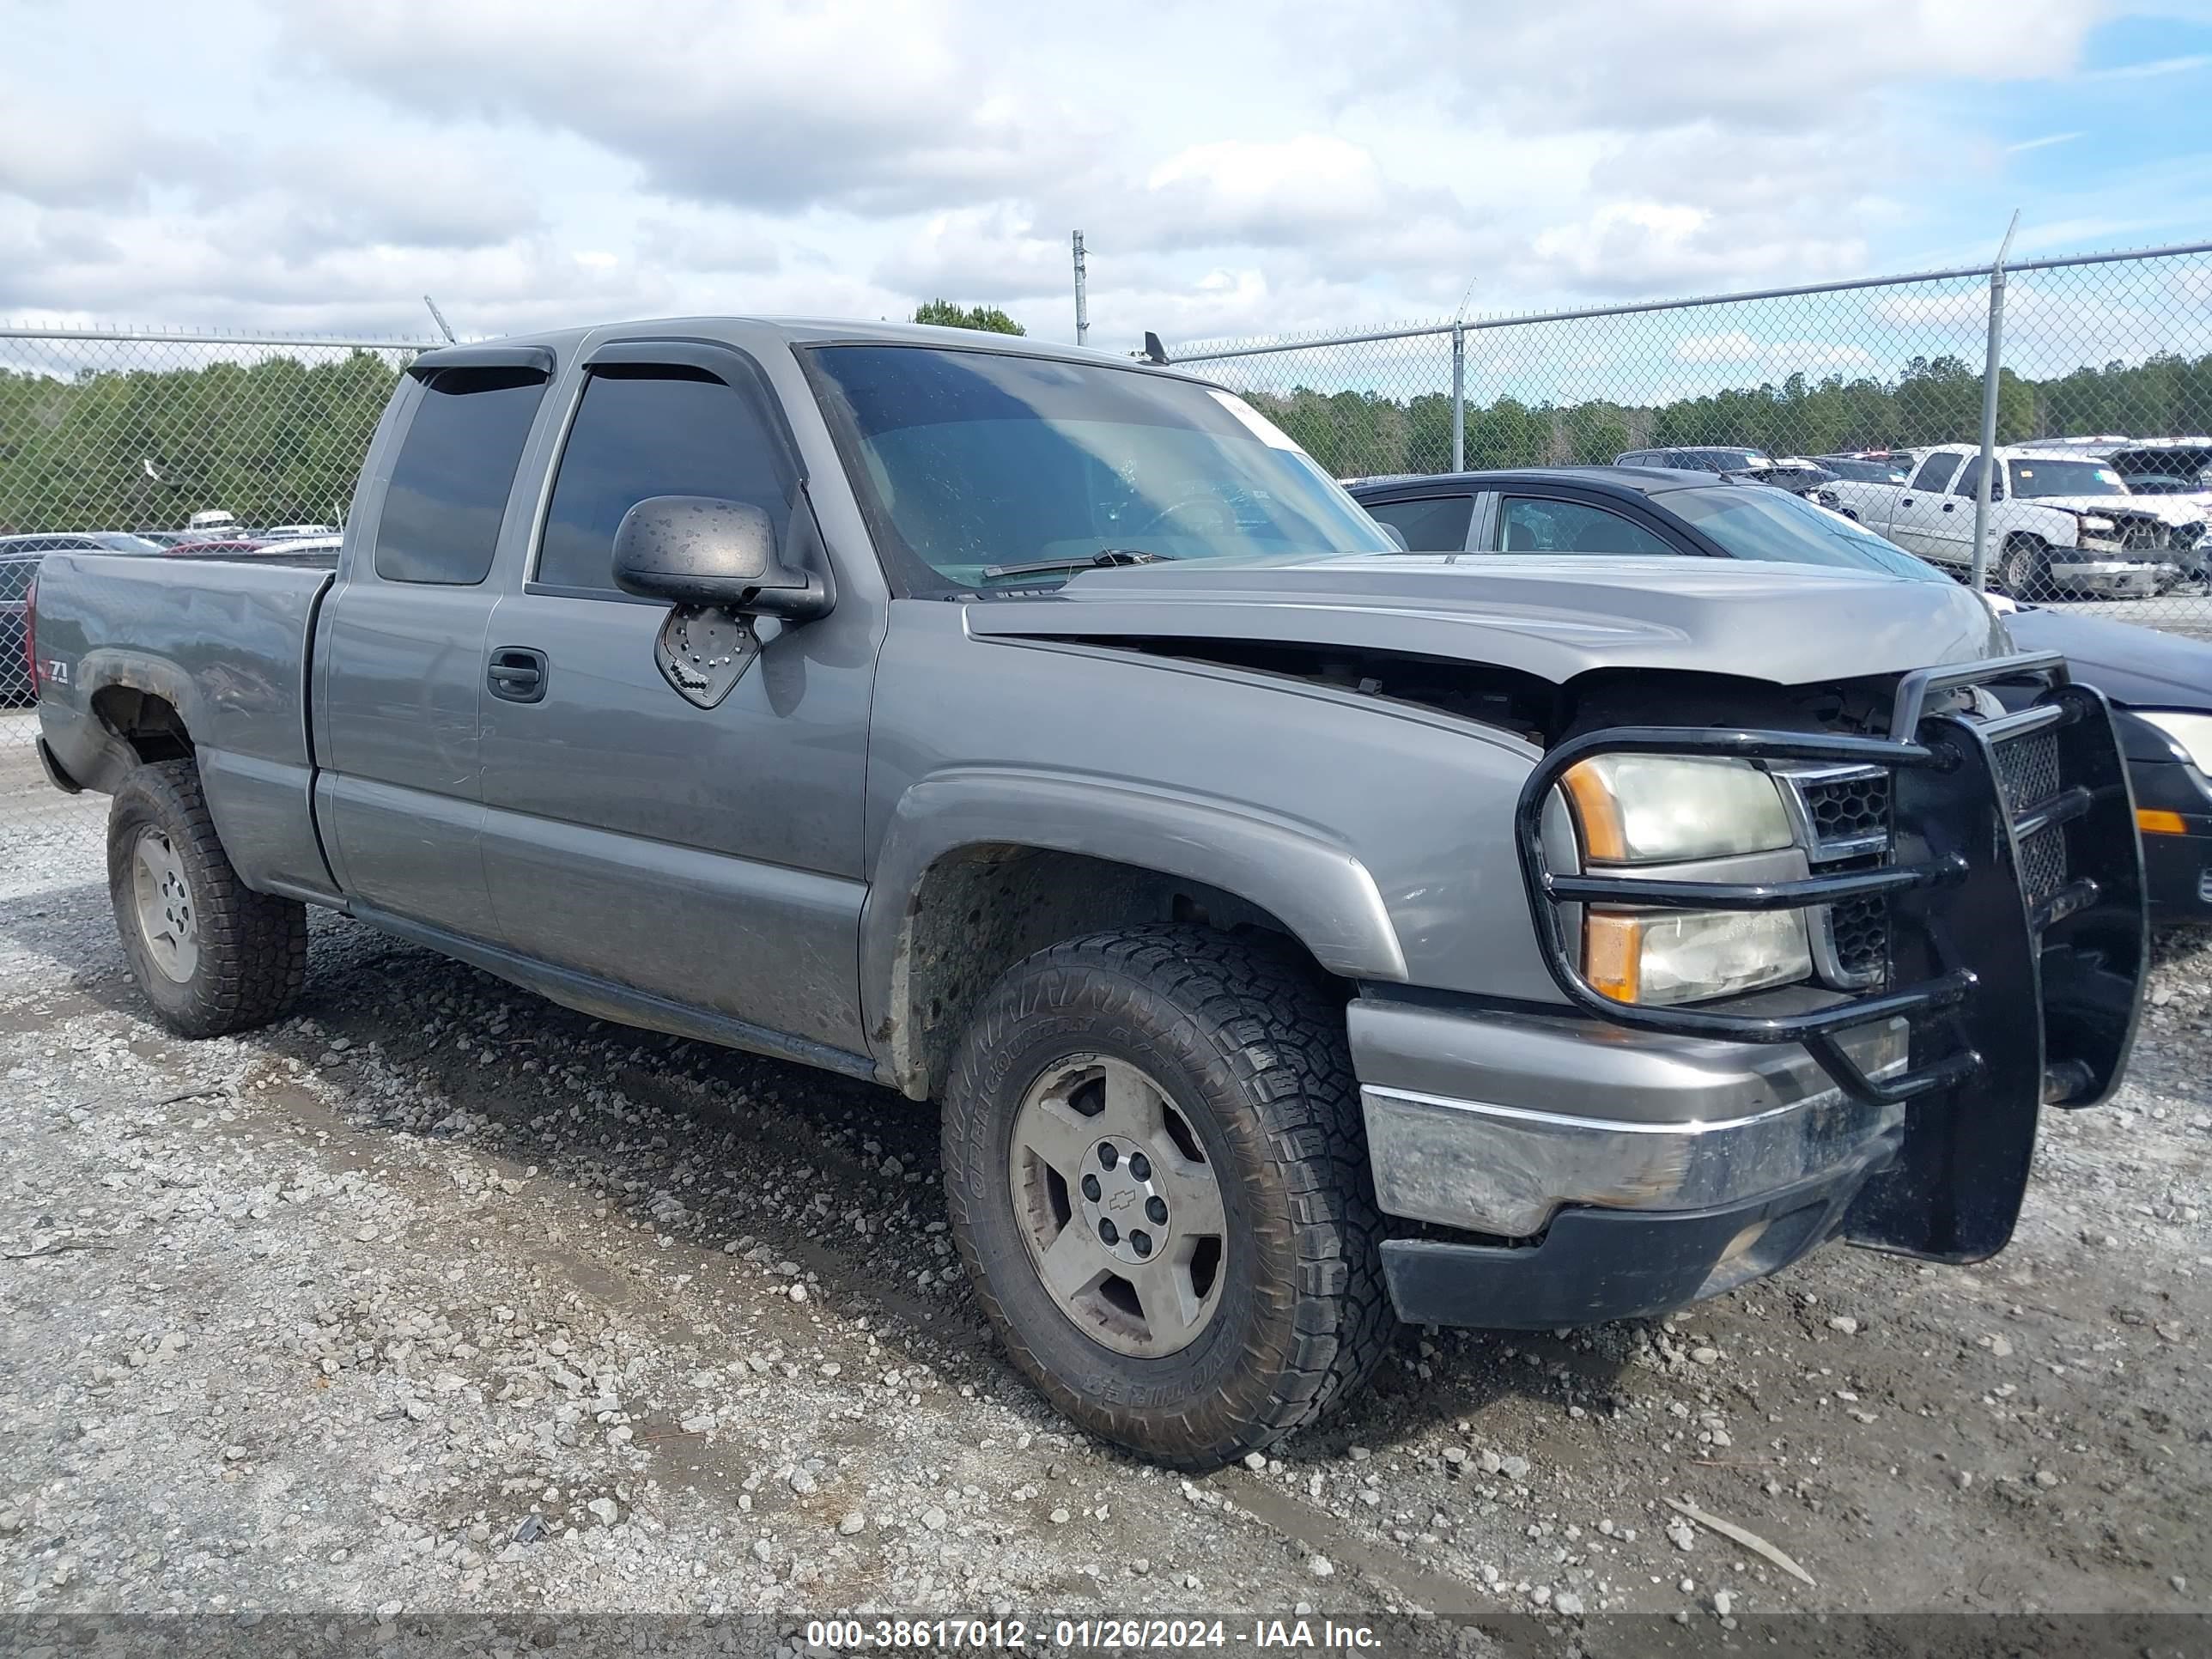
<point>1294,870</point>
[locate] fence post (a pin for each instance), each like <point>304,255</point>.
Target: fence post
<point>1459,397</point>
<point>1992,367</point>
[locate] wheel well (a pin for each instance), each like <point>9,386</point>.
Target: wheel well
<point>147,722</point>
<point>981,908</point>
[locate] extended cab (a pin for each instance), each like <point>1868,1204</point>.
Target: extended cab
<point>1298,933</point>
<point>2060,524</point>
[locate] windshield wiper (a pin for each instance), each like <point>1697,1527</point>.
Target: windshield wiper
<point>1099,561</point>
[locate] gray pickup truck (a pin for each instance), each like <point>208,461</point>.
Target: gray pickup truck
<point>1300,934</point>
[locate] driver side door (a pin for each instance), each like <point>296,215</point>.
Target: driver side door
<point>1921,526</point>
<point>709,856</point>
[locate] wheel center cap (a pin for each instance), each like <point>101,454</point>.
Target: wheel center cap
<point>1122,1200</point>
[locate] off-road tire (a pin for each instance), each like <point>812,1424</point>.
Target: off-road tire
<point>1247,1042</point>
<point>252,948</point>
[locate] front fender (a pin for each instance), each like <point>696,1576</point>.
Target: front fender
<point>1297,872</point>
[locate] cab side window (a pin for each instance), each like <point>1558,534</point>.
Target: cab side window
<point>1532,525</point>
<point>1935,472</point>
<point>645,430</point>
<point>1433,524</point>
<point>450,478</point>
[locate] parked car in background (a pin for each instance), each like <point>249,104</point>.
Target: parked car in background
<point>2164,466</point>
<point>2160,684</point>
<point>19,557</point>
<point>1798,474</point>
<point>17,572</point>
<point>1700,458</point>
<point>292,548</point>
<point>76,541</point>
<point>2059,524</point>
<point>285,532</point>
<point>168,538</point>
<point>1876,466</point>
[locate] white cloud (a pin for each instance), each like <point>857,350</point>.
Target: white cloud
<point>1236,170</point>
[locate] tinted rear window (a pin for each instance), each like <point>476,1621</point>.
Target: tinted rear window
<point>1436,524</point>
<point>455,465</point>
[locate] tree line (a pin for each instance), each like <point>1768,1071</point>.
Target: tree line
<point>1931,400</point>
<point>280,440</point>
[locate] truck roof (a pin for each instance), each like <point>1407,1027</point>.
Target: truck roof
<point>803,330</point>
<point>2043,451</point>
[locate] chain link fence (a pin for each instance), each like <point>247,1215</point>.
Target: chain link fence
<point>2099,368</point>
<point>2103,363</point>
<point>136,440</point>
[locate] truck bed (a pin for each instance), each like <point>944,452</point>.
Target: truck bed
<point>225,642</point>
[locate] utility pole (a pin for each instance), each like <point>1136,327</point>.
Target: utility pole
<point>1993,372</point>
<point>1082,310</point>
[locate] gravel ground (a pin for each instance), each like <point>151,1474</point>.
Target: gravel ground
<point>439,1296</point>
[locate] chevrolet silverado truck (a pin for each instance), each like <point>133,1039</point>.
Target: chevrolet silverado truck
<point>2062,525</point>
<point>1299,934</point>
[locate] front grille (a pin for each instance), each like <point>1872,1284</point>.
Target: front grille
<point>2028,768</point>
<point>1848,808</point>
<point>1858,933</point>
<point>1845,810</point>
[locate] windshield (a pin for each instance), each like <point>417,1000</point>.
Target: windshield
<point>2032,478</point>
<point>972,460</point>
<point>1785,528</point>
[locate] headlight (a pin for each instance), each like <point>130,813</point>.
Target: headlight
<point>2192,732</point>
<point>2091,522</point>
<point>1655,809</point>
<point>1686,956</point>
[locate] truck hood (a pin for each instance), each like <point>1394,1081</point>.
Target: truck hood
<point>1554,617</point>
<point>2166,509</point>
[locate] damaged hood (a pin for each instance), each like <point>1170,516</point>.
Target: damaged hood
<point>1554,617</point>
<point>2173,510</point>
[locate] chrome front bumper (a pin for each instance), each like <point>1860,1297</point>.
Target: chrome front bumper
<point>2115,578</point>
<point>1495,1123</point>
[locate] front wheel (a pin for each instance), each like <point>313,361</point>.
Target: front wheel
<point>2024,568</point>
<point>1157,1176</point>
<point>211,955</point>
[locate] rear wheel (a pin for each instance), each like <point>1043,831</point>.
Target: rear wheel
<point>211,955</point>
<point>1157,1177</point>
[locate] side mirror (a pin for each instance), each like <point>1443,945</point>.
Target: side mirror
<point>701,550</point>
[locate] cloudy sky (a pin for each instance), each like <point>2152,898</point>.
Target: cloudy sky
<point>1236,168</point>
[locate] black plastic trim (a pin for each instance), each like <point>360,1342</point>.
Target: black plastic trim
<point>539,358</point>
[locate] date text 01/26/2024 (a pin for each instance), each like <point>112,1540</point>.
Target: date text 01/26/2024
<point>1086,1634</point>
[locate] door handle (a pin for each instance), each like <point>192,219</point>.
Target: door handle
<point>1947,506</point>
<point>517,674</point>
<point>1906,501</point>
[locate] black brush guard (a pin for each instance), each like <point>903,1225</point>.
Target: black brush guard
<point>2013,999</point>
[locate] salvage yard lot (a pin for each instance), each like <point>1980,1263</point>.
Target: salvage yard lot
<point>442,1296</point>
